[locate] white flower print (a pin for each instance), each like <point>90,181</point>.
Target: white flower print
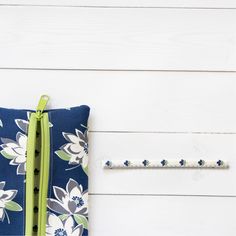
<point>76,150</point>
<point>77,147</point>
<point>16,151</point>
<point>24,124</point>
<point>6,203</point>
<point>71,201</point>
<point>56,227</point>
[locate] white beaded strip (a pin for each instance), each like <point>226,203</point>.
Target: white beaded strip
<point>165,163</point>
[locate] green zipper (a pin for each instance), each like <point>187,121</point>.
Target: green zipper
<point>30,165</point>
<point>42,118</point>
<point>44,166</point>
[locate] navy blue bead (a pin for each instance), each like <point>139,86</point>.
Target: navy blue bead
<point>145,162</point>
<point>200,162</point>
<point>219,163</point>
<point>108,163</point>
<point>126,163</point>
<point>163,162</point>
<point>182,162</point>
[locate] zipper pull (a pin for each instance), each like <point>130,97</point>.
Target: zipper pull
<point>41,106</point>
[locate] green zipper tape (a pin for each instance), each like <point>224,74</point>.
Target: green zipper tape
<point>36,117</point>
<point>44,166</point>
<point>31,144</point>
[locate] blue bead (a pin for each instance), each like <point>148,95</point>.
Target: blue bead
<point>163,162</point>
<point>145,162</point>
<point>182,162</point>
<point>200,162</point>
<point>219,163</point>
<point>126,163</point>
<point>108,163</point>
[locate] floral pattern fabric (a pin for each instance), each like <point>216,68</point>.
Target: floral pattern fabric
<point>58,227</point>
<point>13,140</point>
<point>7,203</point>
<point>76,150</point>
<point>68,198</point>
<point>71,202</point>
<point>15,150</point>
<point>67,212</point>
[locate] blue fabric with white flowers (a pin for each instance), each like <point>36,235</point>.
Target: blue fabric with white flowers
<point>67,203</point>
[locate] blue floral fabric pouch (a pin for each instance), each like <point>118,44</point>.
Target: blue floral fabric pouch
<point>44,171</point>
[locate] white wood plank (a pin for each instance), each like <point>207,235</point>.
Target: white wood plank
<point>127,3</point>
<point>162,181</point>
<point>123,38</point>
<point>131,101</point>
<point>165,216</point>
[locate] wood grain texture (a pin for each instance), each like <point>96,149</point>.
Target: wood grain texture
<point>132,101</point>
<point>127,3</point>
<point>136,110</point>
<point>120,39</point>
<point>165,216</point>
<point>143,101</point>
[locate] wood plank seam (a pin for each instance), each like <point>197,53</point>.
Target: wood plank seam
<point>160,132</point>
<point>114,70</point>
<point>117,7</point>
<point>163,195</point>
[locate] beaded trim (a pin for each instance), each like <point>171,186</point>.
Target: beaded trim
<point>164,163</point>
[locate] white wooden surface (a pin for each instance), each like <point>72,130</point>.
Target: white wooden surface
<point>165,216</point>
<point>134,101</point>
<point>126,3</point>
<point>160,79</point>
<point>124,38</point>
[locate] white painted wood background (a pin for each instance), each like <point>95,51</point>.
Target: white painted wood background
<point>160,77</point>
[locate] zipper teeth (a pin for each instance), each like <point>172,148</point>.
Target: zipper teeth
<point>44,166</point>
<point>36,117</point>
<point>44,174</point>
